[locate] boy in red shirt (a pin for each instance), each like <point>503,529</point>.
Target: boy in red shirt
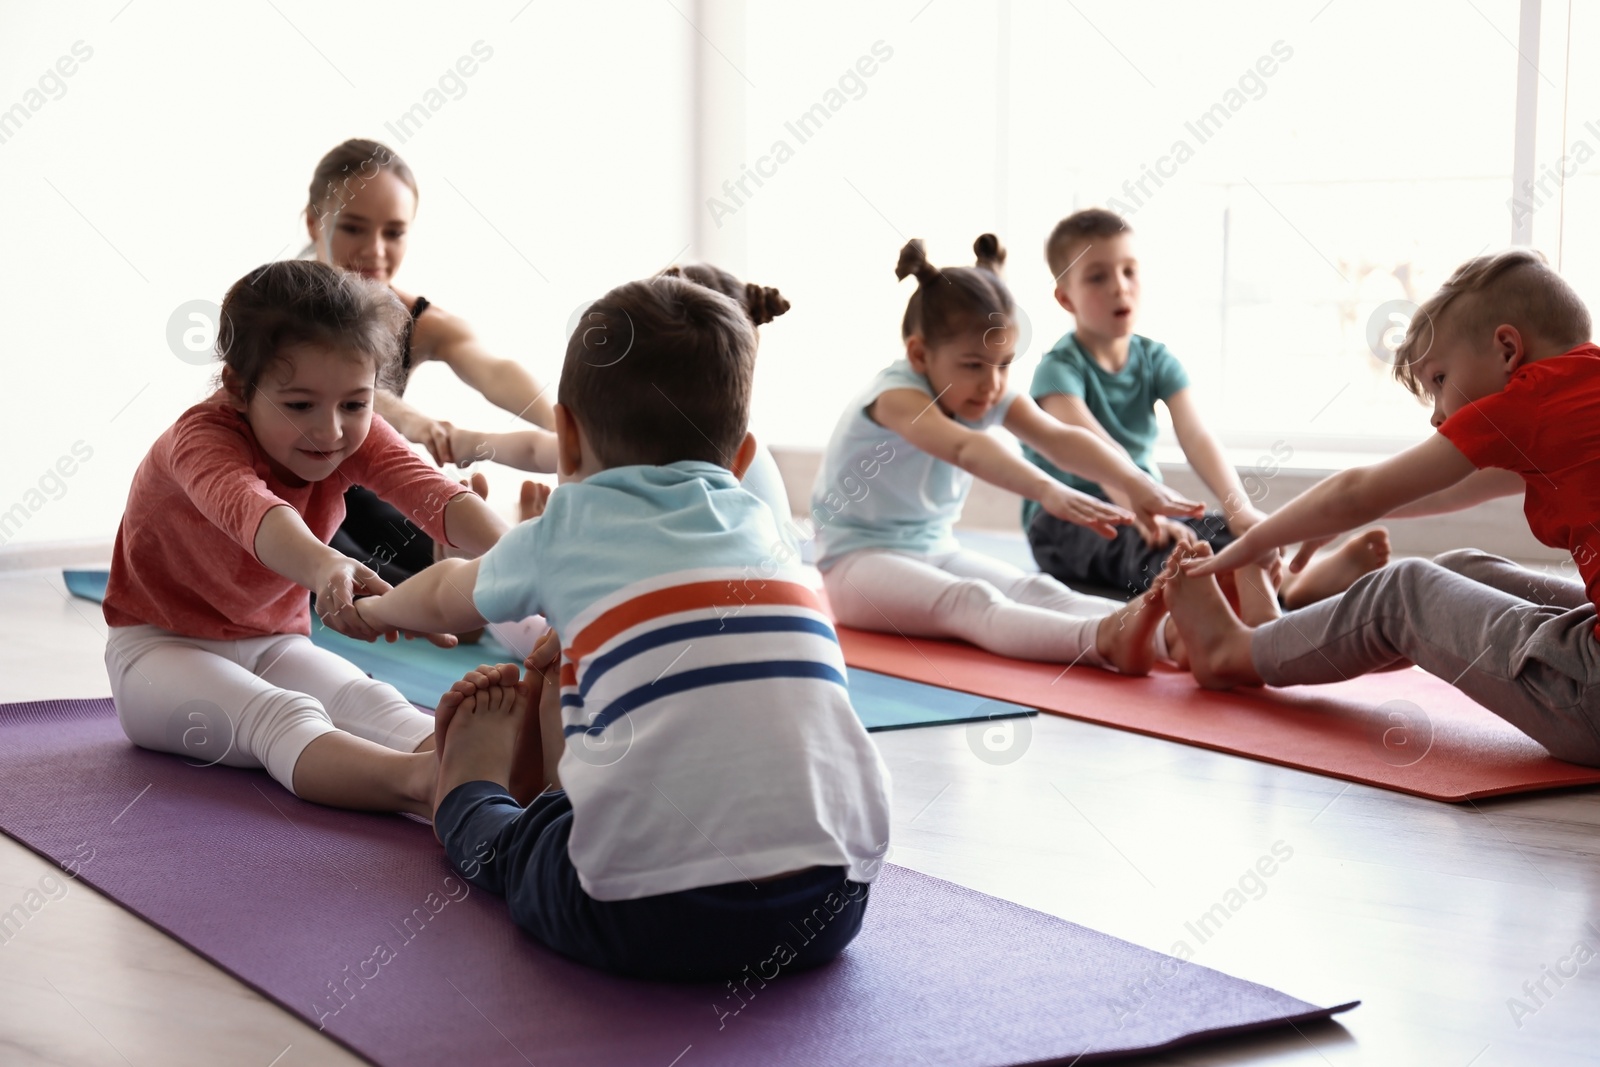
<point>1503,352</point>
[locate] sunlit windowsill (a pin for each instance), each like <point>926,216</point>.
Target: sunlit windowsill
<point>1297,461</point>
<point>1293,452</point>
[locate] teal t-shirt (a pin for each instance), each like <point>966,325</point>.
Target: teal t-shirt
<point>1124,402</point>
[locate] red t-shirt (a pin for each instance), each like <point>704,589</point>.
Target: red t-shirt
<point>1545,425</point>
<point>185,553</point>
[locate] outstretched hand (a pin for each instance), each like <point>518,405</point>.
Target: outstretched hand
<point>1150,501</point>
<point>1307,550</point>
<point>1069,505</point>
<point>336,588</point>
<point>1236,555</point>
<point>436,437</point>
<point>370,630</point>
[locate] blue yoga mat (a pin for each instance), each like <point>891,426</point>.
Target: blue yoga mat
<point>422,671</point>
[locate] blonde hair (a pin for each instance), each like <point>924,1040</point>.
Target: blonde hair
<point>1516,286</point>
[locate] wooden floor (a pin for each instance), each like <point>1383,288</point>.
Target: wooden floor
<point>1435,916</point>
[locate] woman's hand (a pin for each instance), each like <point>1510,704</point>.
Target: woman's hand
<point>468,446</point>
<point>1069,505</point>
<point>432,435</point>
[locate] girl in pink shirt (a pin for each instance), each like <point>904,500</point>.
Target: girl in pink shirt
<point>227,526</point>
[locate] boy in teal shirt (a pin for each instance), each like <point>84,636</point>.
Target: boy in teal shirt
<point>1107,379</point>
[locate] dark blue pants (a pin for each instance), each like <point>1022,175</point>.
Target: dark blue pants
<point>1076,555</point>
<point>713,932</point>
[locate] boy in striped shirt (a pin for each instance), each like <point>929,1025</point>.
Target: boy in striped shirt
<point>720,806</point>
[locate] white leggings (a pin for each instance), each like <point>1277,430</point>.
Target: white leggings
<point>256,702</point>
<point>968,596</point>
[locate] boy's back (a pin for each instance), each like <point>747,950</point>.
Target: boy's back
<point>707,680</point>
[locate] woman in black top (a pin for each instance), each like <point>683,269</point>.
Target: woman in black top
<point>361,204</point>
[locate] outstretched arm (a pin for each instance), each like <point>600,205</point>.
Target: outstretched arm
<point>1205,456</point>
<point>470,525</point>
<point>1075,449</point>
<point>914,416</point>
<point>1487,483</point>
<point>437,599</point>
<point>529,450</point>
<point>414,426</point>
<point>1346,500</point>
<point>1070,409</point>
<point>285,544</point>
<point>505,383</point>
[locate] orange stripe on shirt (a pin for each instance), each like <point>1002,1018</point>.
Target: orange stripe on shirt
<point>696,596</point>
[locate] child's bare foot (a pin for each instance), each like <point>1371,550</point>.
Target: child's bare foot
<point>1125,638</point>
<point>531,504</point>
<point>540,744</point>
<point>480,734</point>
<point>1217,642</point>
<point>528,773</point>
<point>1257,599</point>
<point>1175,647</point>
<point>1338,570</point>
<point>484,677</point>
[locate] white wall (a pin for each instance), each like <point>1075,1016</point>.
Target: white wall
<point>588,149</point>
<point>179,154</point>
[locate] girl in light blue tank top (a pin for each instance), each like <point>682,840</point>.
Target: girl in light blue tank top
<point>902,460</point>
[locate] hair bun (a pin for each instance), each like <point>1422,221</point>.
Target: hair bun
<point>990,252</point>
<point>763,302</point>
<point>914,260</point>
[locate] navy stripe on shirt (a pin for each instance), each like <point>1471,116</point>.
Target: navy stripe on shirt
<point>684,631</point>
<point>705,677</point>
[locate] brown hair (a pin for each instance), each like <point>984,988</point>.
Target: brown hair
<point>301,301</point>
<point>357,161</point>
<point>659,371</point>
<point>1515,286</point>
<point>763,303</point>
<point>955,300</point>
<point>1076,228</point>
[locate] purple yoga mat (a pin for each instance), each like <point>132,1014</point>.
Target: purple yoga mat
<point>357,924</point>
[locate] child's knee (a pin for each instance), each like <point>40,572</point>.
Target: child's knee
<point>1037,586</point>
<point>1465,560</point>
<point>969,598</point>
<point>279,729</point>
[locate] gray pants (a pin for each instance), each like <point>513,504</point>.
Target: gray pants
<point>1518,642</point>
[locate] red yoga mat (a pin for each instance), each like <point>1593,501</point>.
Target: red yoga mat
<point>1401,730</point>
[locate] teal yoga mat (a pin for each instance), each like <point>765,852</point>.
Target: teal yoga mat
<point>422,672</point>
